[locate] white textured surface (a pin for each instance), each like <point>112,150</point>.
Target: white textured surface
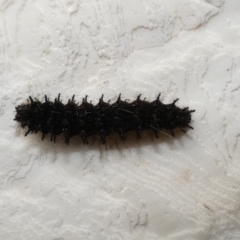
<point>185,188</point>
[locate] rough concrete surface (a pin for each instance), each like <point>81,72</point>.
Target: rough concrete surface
<point>183,188</point>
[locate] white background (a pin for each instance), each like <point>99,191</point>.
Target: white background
<point>182,188</point>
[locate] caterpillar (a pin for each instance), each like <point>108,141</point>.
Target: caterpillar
<point>102,119</point>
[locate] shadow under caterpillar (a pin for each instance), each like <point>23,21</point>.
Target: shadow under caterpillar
<point>102,119</point>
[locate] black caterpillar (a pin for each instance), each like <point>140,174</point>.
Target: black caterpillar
<point>102,119</point>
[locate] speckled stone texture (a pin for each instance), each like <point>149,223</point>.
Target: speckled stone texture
<point>185,188</point>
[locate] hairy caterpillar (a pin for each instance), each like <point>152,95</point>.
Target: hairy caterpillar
<point>102,119</point>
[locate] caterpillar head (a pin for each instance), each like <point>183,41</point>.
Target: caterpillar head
<point>177,118</point>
